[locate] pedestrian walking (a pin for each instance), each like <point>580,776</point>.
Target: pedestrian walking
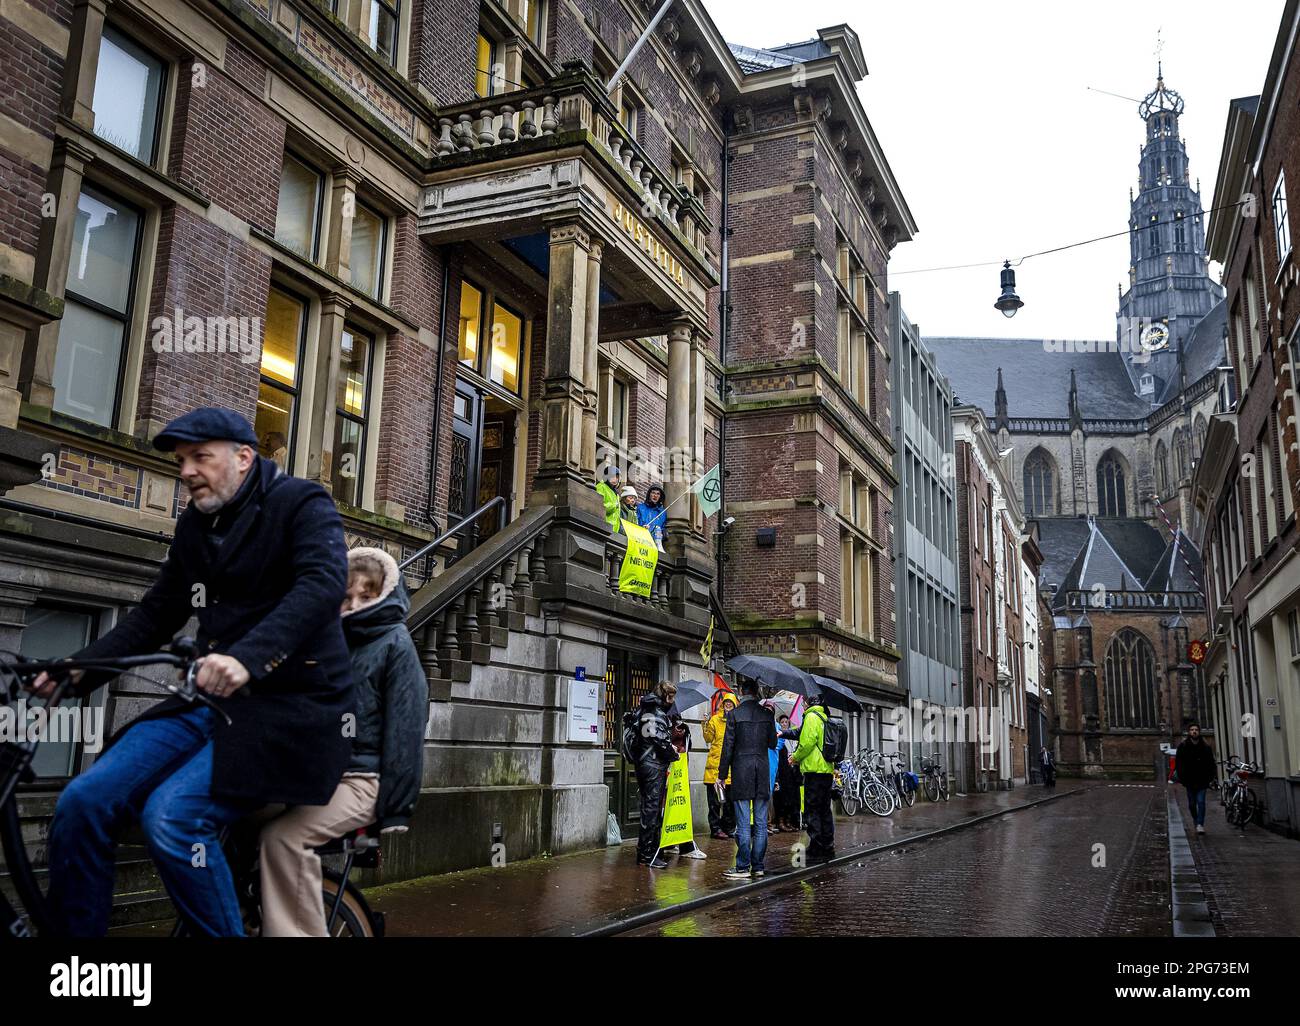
<point>259,557</point>
<point>608,492</point>
<point>818,776</point>
<point>655,753</point>
<point>788,781</point>
<point>382,781</point>
<point>1048,762</point>
<point>651,514</point>
<point>722,815</point>
<point>750,735</point>
<point>1195,768</point>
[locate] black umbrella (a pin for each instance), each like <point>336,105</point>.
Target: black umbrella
<point>690,693</point>
<point>775,673</point>
<point>836,695</point>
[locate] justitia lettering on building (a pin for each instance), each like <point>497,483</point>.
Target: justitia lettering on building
<point>645,239</point>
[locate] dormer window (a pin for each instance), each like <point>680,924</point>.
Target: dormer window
<point>1147,385</point>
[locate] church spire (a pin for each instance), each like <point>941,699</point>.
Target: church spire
<point>1076,415</point>
<point>1000,418</point>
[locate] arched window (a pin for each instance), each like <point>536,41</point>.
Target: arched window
<point>1162,469</point>
<point>1131,681</point>
<point>1180,232</point>
<point>1198,437</point>
<point>1181,457</point>
<point>1153,236</point>
<point>1040,485</point>
<point>1111,498</point>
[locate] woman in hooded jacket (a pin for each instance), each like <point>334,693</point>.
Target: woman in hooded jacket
<point>651,514</point>
<point>382,781</point>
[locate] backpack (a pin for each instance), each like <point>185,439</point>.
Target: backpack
<point>835,740</point>
<point>630,740</point>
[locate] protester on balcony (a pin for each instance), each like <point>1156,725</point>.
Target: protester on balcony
<point>628,504</point>
<point>652,516</point>
<point>722,816</point>
<point>382,781</point>
<point>608,492</point>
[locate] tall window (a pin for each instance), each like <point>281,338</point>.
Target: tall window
<point>1180,232</point>
<point>1112,500</point>
<point>382,28</point>
<point>369,231</point>
<point>297,213</point>
<point>1131,681</point>
<point>1162,469</point>
<point>277,396</point>
<point>1153,236</point>
<point>501,360</point>
<point>97,307</point>
<point>1181,460</point>
<point>534,19</point>
<point>1040,485</point>
<point>128,95</point>
<point>51,633</point>
<point>1281,227</point>
<point>489,75</point>
<point>352,407</point>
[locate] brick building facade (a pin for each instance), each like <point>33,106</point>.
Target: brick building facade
<point>440,264</point>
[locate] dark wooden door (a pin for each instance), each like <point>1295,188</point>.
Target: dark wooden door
<point>628,676</point>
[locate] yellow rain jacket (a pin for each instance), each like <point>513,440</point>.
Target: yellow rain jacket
<point>714,730</point>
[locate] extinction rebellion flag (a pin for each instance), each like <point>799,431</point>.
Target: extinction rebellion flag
<point>709,489</point>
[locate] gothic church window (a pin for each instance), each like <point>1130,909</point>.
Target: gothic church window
<point>1131,681</point>
<point>1162,469</point>
<point>1111,498</point>
<point>1040,485</point>
<point>1153,236</point>
<point>1180,232</point>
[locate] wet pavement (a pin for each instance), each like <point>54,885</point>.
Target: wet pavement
<point>576,894</point>
<point>1251,878</point>
<point>1038,872</point>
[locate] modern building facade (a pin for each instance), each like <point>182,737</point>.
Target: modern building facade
<point>446,264</point>
<point>926,538</point>
<point>1247,487</point>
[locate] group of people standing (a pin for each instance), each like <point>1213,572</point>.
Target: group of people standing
<point>622,503</point>
<point>756,763</point>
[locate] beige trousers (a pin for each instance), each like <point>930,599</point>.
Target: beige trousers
<point>291,873</point>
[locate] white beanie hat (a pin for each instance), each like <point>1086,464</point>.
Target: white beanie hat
<point>627,490</point>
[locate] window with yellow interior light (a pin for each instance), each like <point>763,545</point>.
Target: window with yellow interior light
<point>277,395</point>
<point>500,360</point>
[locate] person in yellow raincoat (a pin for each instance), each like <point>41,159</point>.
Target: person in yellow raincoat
<point>722,814</point>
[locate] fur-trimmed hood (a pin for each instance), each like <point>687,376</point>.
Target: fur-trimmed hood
<point>389,608</point>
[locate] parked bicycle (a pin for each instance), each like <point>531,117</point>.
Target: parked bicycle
<point>935,777</point>
<point>348,914</point>
<point>904,780</point>
<point>1239,802</point>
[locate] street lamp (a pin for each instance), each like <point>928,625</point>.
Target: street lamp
<point>1008,302</point>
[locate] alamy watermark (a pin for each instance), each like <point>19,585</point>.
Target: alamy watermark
<point>238,336</point>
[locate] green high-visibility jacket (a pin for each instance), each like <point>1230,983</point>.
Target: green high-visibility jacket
<point>808,754</point>
<point>610,500</point>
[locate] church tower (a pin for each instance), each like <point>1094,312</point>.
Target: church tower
<point>1169,287</point>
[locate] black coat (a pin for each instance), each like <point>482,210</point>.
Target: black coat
<point>392,701</point>
<point>655,735</point>
<point>271,588</point>
<point>1195,764</point>
<point>751,734</point>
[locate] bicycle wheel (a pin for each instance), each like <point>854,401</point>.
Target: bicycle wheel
<point>878,799</point>
<point>1249,806</point>
<point>932,787</point>
<point>354,918</point>
<point>943,786</point>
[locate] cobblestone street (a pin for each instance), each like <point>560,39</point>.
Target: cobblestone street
<point>1029,873</point>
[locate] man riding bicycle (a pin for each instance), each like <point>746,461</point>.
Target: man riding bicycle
<point>260,558</point>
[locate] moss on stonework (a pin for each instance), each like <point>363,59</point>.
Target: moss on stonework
<point>382,523</point>
<point>95,432</point>
<point>30,296</point>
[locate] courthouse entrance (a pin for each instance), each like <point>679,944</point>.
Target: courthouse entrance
<point>628,676</point>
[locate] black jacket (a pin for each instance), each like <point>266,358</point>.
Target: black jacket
<point>267,593</point>
<point>751,734</point>
<point>1195,764</point>
<point>654,730</point>
<point>392,697</point>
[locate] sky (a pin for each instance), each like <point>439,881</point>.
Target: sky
<point>1001,148</point>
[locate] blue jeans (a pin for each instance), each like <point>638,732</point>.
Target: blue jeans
<point>745,858</point>
<point>159,772</point>
<point>1196,803</point>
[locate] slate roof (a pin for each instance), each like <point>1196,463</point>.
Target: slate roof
<point>1119,554</point>
<point>1172,572</point>
<point>1203,350</point>
<point>754,59</point>
<point>1037,378</point>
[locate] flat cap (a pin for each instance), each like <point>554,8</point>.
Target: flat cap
<point>206,424</point>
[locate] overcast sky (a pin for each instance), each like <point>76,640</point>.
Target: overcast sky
<point>985,116</point>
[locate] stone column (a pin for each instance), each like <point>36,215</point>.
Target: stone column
<point>325,383</point>
<point>591,343</point>
<point>679,464</point>
<point>67,168</point>
<point>560,480</point>
<point>699,379</point>
<point>85,32</point>
<point>343,205</point>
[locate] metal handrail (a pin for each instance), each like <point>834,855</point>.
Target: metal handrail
<point>456,528</point>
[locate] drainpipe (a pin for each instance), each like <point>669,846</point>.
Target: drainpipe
<point>724,324</point>
<point>435,450</point>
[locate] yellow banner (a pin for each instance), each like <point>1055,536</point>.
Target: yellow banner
<point>706,650</point>
<point>638,572</point>
<point>677,828</point>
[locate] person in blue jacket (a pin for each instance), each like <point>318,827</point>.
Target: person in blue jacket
<point>651,514</point>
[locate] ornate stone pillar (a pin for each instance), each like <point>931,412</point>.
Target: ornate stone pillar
<point>325,383</point>
<point>680,461</point>
<point>560,480</point>
<point>67,168</point>
<point>589,362</point>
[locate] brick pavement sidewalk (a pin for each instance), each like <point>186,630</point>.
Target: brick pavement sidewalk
<point>1251,879</point>
<point>573,894</point>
